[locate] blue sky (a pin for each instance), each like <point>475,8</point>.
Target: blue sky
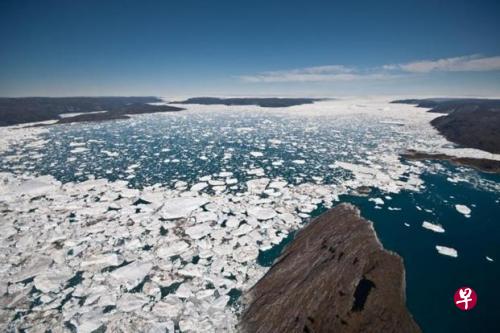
<point>313,48</point>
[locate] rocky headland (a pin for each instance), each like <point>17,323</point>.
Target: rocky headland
<point>334,277</point>
<point>482,164</point>
<point>23,110</point>
<point>471,123</point>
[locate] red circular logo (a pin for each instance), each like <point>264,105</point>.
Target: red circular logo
<point>465,298</point>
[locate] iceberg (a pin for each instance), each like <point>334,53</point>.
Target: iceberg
<point>434,227</point>
<point>447,251</point>
<point>464,210</point>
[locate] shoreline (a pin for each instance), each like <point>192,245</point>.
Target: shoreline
<point>481,164</point>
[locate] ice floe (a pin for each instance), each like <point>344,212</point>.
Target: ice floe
<point>110,257</point>
<point>433,227</point>
<point>176,208</point>
<point>463,209</point>
<point>261,213</point>
<point>377,201</point>
<point>447,251</point>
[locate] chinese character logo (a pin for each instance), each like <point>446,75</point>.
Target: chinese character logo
<point>465,298</point>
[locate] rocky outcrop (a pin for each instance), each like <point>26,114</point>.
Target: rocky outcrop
<point>23,110</point>
<point>335,276</point>
<point>470,122</point>
<point>482,164</point>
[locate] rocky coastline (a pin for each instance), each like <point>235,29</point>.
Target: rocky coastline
<point>335,276</point>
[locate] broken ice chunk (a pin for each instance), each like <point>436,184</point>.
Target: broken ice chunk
<point>256,154</point>
<point>78,150</point>
<point>172,249</point>
<point>35,266</point>
<point>447,251</point>
<point>176,208</point>
<point>243,230</point>
<point>463,209</point>
<point>257,186</point>
<point>198,187</point>
<point>232,222</point>
<point>97,262</point>
<point>205,217</point>
<point>433,227</point>
<point>261,213</point>
<point>191,270</point>
<point>132,274</point>
<point>278,184</point>
<point>245,254</point>
<point>38,186</point>
<point>198,231</point>
<point>88,322</point>
<point>52,281</point>
<point>169,306</point>
<point>184,291</point>
<point>215,182</point>
<point>377,201</point>
<point>130,302</point>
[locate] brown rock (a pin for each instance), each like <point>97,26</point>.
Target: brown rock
<point>335,276</point>
<point>483,164</point>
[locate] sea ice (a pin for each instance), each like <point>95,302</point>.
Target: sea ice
<point>185,249</point>
<point>216,182</point>
<point>52,281</point>
<point>462,209</point>
<point>256,154</point>
<point>38,186</point>
<point>261,213</point>
<point>377,201</point>
<point>198,231</point>
<point>434,227</point>
<point>78,150</point>
<point>447,251</point>
<point>176,208</point>
<point>257,186</point>
<point>98,262</point>
<point>172,249</point>
<point>131,302</point>
<point>278,184</point>
<point>132,274</point>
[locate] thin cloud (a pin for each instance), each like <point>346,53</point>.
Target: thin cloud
<point>472,63</point>
<point>316,74</point>
<point>332,73</point>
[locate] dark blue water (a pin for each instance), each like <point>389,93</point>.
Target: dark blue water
<point>431,278</point>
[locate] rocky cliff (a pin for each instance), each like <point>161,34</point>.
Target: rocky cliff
<point>334,277</point>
